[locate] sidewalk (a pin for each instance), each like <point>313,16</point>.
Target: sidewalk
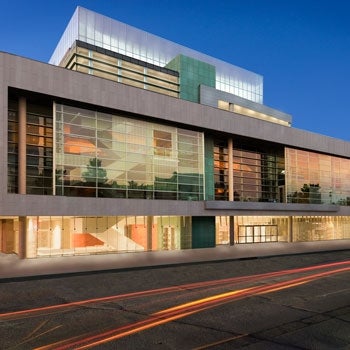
<point>13,267</point>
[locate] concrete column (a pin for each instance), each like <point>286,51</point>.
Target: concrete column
<point>230,169</point>
<point>22,142</point>
<point>232,230</point>
<point>2,237</point>
<point>149,232</point>
<point>22,237</point>
<point>290,229</point>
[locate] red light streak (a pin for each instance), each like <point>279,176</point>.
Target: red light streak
<point>183,310</point>
<point>252,278</point>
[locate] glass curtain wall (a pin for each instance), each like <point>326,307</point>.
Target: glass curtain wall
<point>64,235</point>
<point>39,148</point>
<point>256,175</point>
<point>317,178</point>
<point>104,155</point>
<point>84,235</point>
<point>99,30</point>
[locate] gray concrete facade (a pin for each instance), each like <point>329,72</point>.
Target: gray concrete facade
<point>65,85</point>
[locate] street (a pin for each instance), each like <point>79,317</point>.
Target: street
<point>286,302</point>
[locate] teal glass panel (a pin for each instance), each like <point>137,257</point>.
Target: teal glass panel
<point>209,168</point>
<point>193,73</point>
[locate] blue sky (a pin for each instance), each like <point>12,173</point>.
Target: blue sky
<point>300,47</point>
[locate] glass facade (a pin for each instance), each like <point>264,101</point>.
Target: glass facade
<point>85,235</point>
<point>107,33</point>
<point>105,155</point>
<point>256,175</point>
<point>268,229</point>
<point>320,228</point>
<point>73,151</point>
<point>68,235</point>
<point>39,149</point>
<point>316,178</point>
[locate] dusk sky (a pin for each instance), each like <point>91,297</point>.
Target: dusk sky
<point>300,47</point>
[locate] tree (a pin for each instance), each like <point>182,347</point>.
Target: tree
<point>94,172</point>
<point>310,194</point>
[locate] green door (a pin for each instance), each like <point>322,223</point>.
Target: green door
<point>203,231</point>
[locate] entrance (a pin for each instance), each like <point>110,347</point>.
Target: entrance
<point>257,233</point>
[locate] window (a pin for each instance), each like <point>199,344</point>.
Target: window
<point>162,143</point>
<point>223,105</point>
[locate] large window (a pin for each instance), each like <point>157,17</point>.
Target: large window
<point>318,228</point>
<point>256,174</point>
<point>104,155</point>
<point>39,144</point>
<point>77,235</point>
<point>317,178</point>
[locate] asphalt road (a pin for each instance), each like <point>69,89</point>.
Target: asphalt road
<point>288,302</point>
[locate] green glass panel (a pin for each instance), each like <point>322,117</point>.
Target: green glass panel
<point>193,73</point>
<point>209,169</point>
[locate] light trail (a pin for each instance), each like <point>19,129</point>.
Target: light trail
<point>183,310</point>
<point>152,292</point>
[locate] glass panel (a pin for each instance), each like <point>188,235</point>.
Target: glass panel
<point>257,176</point>
<point>39,145</point>
<point>317,178</point>
<point>125,157</point>
<point>57,236</point>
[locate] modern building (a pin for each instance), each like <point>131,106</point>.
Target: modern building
<point>128,142</point>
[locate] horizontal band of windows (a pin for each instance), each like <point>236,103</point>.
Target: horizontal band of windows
<point>171,87</point>
<point>123,66</point>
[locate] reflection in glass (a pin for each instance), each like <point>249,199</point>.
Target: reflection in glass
<point>104,155</point>
<point>317,178</point>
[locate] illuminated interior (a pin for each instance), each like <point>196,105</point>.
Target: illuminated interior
<point>257,174</point>
<point>106,64</point>
<point>232,107</point>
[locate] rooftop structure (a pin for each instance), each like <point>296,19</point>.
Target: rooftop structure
<point>110,34</point>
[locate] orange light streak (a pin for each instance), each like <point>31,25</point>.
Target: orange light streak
<point>252,278</point>
<point>183,310</point>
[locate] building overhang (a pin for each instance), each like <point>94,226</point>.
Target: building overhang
<point>271,207</point>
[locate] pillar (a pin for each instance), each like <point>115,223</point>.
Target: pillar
<point>22,237</point>
<point>22,142</point>
<point>290,229</point>
<point>232,230</point>
<point>149,232</point>
<point>230,169</point>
